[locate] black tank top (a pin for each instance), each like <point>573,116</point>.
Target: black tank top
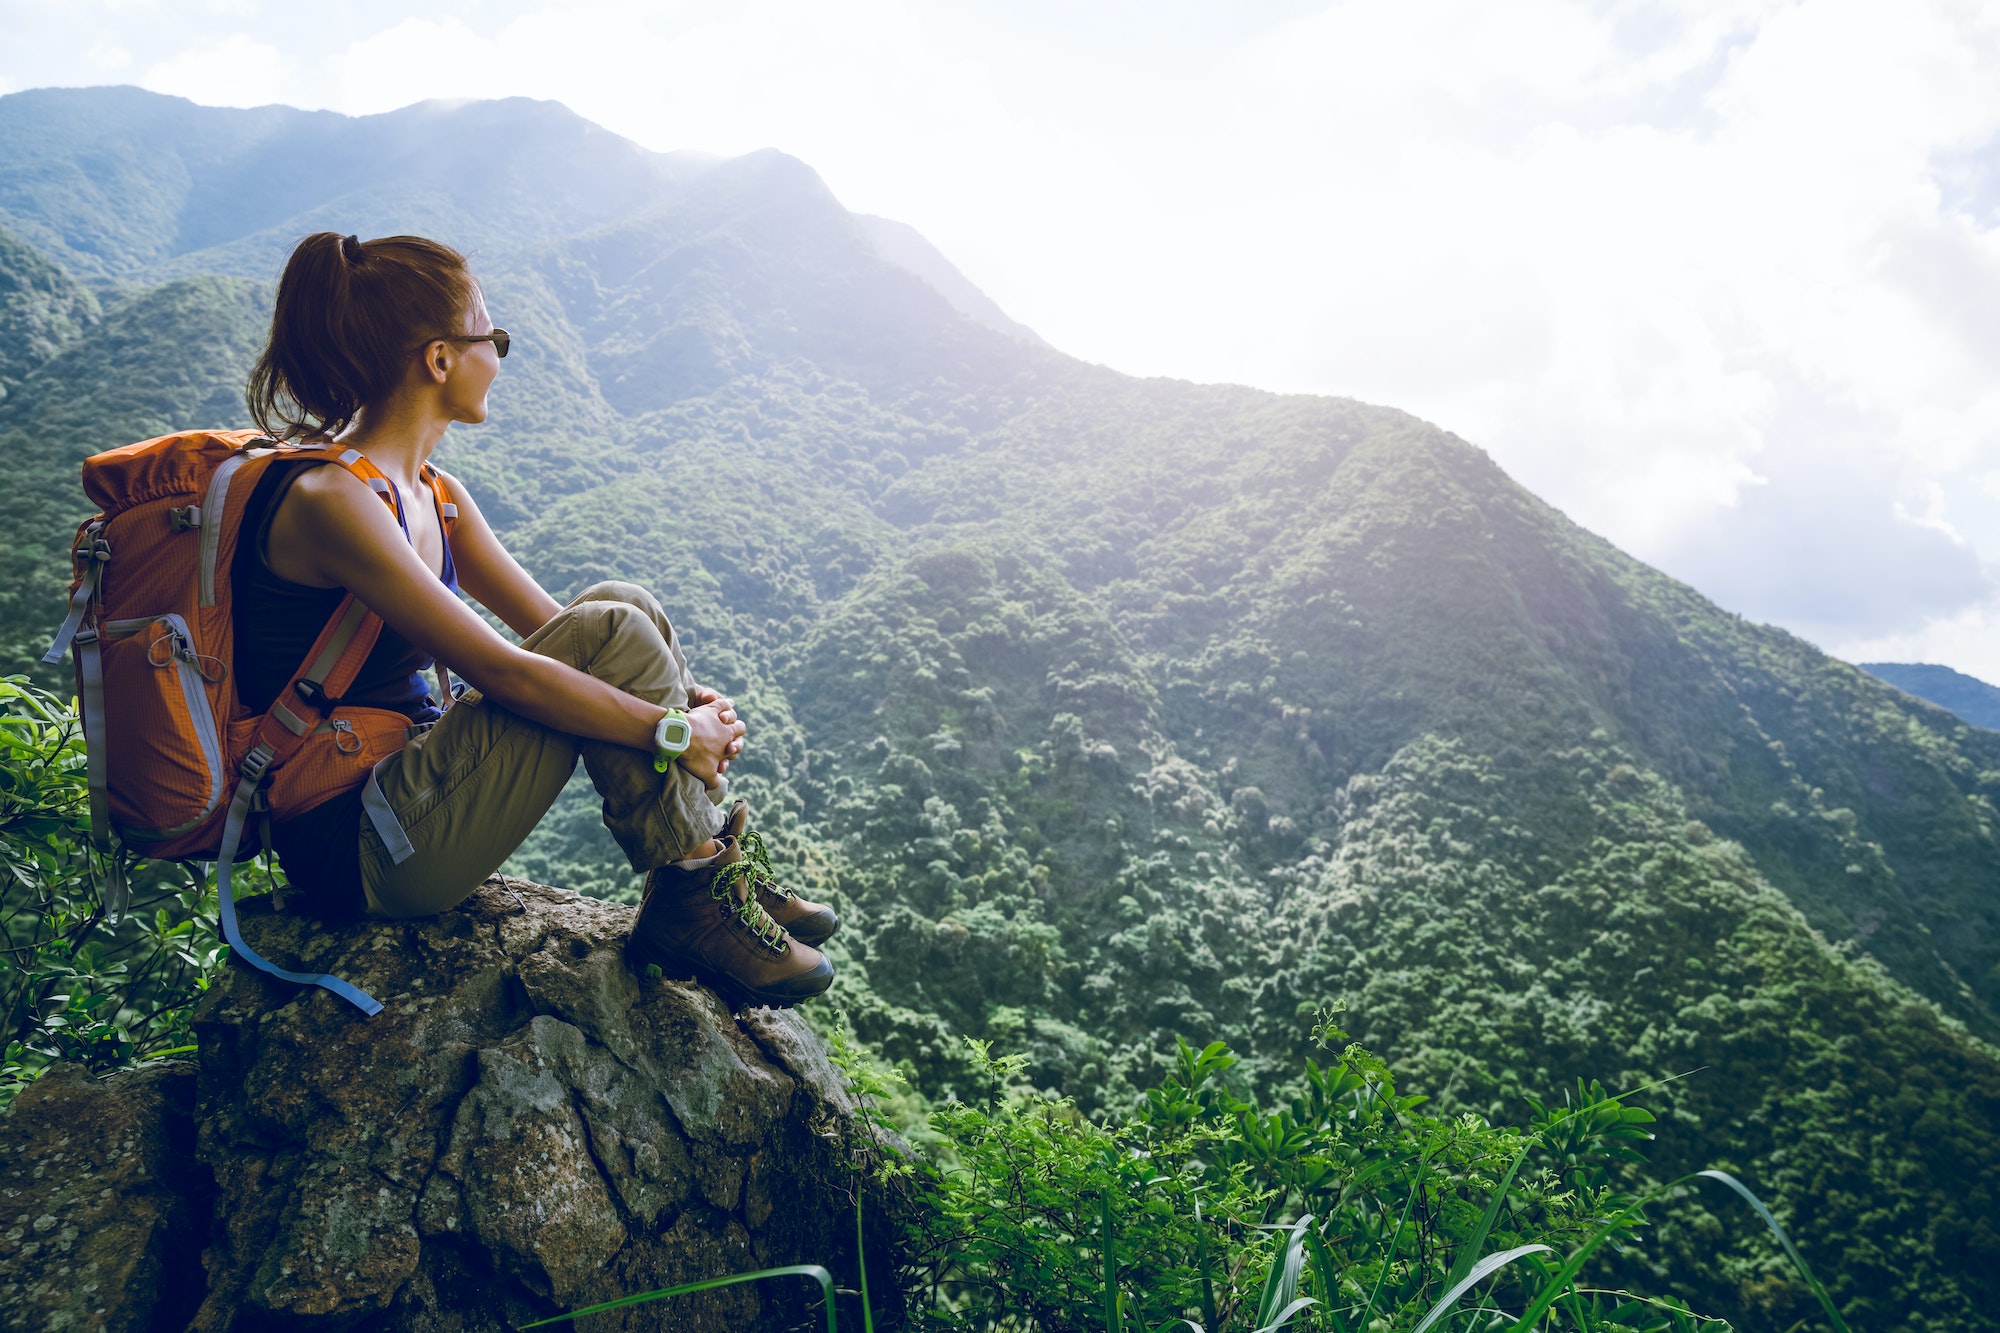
<point>277,622</point>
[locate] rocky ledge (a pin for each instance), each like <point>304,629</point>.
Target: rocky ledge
<point>526,1128</point>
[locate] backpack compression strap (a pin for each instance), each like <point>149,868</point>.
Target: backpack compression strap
<point>330,667</point>
<point>90,554</point>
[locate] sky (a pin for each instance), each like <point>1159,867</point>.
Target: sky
<point>1721,281</point>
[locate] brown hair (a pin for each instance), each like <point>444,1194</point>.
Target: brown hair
<point>348,316</point>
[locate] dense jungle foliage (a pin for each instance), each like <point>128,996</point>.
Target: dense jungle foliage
<point>1347,1206</point>
<point>1112,711</point>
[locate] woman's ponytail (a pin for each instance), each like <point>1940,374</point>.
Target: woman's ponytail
<point>347,318</point>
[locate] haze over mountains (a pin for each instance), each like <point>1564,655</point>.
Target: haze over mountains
<point>1968,696</point>
<point>1115,710</point>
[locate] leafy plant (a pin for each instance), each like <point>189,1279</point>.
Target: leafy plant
<point>1087,1229</point>
<point>74,985</point>
<point>1110,709</point>
<point>1348,1208</point>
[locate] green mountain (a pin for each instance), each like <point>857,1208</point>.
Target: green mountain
<point>40,310</point>
<point>1971,698</point>
<point>1113,709</point>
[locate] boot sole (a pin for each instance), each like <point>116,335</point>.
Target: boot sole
<point>733,993</point>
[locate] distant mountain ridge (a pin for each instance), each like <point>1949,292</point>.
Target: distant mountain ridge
<point>513,170</point>
<point>1113,710</point>
<point>904,245</point>
<point>1968,696</point>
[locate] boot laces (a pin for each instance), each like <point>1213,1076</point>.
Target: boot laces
<point>749,913</point>
<point>758,857</point>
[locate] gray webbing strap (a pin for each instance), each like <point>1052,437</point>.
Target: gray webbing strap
<point>387,827</point>
<point>90,668</point>
<point>232,838</point>
<point>329,657</point>
<point>117,893</point>
<point>214,509</point>
<point>97,774</point>
<point>79,606</point>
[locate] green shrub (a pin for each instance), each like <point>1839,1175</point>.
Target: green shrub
<point>1348,1208</point>
<point>74,984</point>
<point>1204,1208</point>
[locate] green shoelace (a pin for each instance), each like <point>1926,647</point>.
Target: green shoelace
<point>747,909</point>
<point>758,858</point>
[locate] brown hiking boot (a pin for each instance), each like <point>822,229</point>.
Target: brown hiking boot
<point>807,922</point>
<point>701,916</point>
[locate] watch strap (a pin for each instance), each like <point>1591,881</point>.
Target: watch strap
<point>671,738</point>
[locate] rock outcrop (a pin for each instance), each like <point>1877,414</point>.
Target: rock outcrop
<point>102,1204</point>
<point>526,1128</point>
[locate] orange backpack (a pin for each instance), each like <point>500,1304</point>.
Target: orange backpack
<point>177,765</point>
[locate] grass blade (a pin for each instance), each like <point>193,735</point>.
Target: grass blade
<point>1285,1315</point>
<point>1791,1251</point>
<point>1557,1285</point>
<point>861,1258</point>
<point>1207,1275</point>
<point>1389,1259</point>
<point>1477,1240</point>
<point>1329,1279</point>
<point>813,1271</point>
<point>1476,1274</point>
<point>1111,1319</point>
<point>1282,1287</point>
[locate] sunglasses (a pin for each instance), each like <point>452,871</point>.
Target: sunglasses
<point>499,338</point>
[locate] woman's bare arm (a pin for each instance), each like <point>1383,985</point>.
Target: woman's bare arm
<point>336,533</point>
<point>490,573</point>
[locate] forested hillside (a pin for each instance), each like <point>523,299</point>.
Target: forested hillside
<point>1115,710</point>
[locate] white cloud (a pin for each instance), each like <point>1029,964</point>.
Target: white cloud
<point>1719,277</point>
<point>239,70</point>
<point>108,59</point>
<point>1967,640</point>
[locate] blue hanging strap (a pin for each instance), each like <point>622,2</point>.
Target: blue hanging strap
<point>253,768</point>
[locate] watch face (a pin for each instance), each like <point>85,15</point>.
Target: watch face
<point>675,734</point>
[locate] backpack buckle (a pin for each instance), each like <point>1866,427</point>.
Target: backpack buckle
<point>91,546</point>
<point>184,518</point>
<point>253,765</point>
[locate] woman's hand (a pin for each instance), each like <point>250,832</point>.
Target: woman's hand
<point>718,736</point>
<point>725,709</point>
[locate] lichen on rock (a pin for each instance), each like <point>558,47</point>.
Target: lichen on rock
<point>526,1127</point>
<point>102,1204</point>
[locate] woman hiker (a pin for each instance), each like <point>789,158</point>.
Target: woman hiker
<point>379,346</point>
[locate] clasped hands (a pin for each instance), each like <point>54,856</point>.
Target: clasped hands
<point>718,735</point>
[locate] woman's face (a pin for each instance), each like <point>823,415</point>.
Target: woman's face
<point>473,366</point>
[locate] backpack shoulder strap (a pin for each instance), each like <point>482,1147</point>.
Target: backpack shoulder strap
<point>441,492</point>
<point>331,665</point>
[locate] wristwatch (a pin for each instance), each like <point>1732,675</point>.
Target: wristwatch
<point>671,739</point>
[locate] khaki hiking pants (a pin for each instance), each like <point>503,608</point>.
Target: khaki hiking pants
<point>442,813</point>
